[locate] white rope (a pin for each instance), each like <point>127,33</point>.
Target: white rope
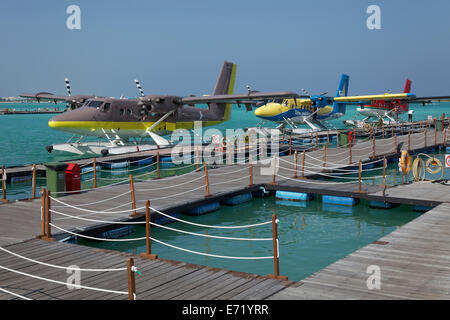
<point>62,283</point>
<point>168,187</point>
<point>210,226</point>
<point>15,294</point>
<point>229,172</point>
<point>90,189</point>
<point>60,267</point>
<point>162,226</point>
<point>174,195</point>
<point>100,201</point>
<point>310,181</point>
<point>223,182</point>
<point>208,254</point>
<point>93,211</point>
<point>330,175</point>
<point>126,170</point>
<point>340,168</point>
<point>94,238</point>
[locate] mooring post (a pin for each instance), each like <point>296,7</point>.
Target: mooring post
<point>290,145</point>
<point>337,140</point>
<point>324,158</point>
<point>250,167</point>
<point>373,147</point>
<point>133,198</point>
<point>303,164</point>
<point>208,194</point>
<point>395,144</point>
<point>409,140</point>
<point>197,160</point>
<point>384,171</point>
<point>350,153</point>
<point>276,262</point>
<point>157,165</point>
<point>33,183</point>
<point>148,233</point>
<point>43,210</point>
<point>359,176</point>
<point>94,168</point>
<point>3,184</point>
<point>317,140</point>
<point>48,218</point>
<point>392,128</point>
<point>296,164</point>
<point>425,133</point>
<point>274,181</point>
<point>131,279</point>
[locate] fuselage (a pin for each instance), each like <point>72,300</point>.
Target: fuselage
<point>381,108</point>
<point>296,110</point>
<point>128,118</point>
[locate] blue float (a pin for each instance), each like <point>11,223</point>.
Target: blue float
<point>90,169</point>
<point>144,162</point>
<point>294,196</point>
<point>165,220</point>
<point>117,233</point>
<point>288,203</point>
<point>115,165</point>
<point>368,166</point>
<point>343,201</point>
<point>419,208</point>
<point>241,198</point>
<point>205,208</point>
<point>381,204</point>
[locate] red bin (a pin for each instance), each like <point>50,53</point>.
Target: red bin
<point>73,179</point>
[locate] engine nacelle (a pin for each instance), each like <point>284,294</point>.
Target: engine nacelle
<point>160,104</point>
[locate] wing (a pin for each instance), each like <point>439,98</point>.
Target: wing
<point>386,97</point>
<point>249,98</point>
<point>428,100</point>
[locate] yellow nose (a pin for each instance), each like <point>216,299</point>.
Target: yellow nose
<point>268,110</point>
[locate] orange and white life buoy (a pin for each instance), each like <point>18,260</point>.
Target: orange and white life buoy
<point>405,162</point>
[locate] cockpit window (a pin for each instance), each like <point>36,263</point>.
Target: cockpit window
<point>95,104</point>
<point>106,107</point>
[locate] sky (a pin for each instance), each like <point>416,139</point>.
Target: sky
<point>178,47</point>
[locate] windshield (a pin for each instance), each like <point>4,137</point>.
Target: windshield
<point>94,104</point>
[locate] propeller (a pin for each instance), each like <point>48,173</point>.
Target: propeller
<point>68,105</point>
<point>138,85</point>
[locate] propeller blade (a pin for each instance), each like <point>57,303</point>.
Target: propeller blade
<point>138,85</point>
<point>68,86</point>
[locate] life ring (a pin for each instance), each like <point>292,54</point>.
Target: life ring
<point>405,162</point>
<point>431,163</point>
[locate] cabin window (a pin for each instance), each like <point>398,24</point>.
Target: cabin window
<point>106,107</point>
<point>129,112</point>
<point>122,112</point>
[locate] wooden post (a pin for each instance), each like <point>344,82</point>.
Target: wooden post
<point>274,169</point>
<point>324,158</point>
<point>3,185</point>
<point>276,260</point>
<point>148,253</point>
<point>43,211</point>
<point>409,140</point>
<point>157,165</point>
<point>350,153</point>
<point>373,147</point>
<point>384,171</point>
<point>290,145</point>
<point>197,158</point>
<point>94,163</point>
<point>303,164</point>
<point>296,164</point>
<point>425,133</point>
<point>337,140</point>
<point>131,279</point>
<point>33,183</point>
<point>250,165</point>
<point>133,198</point>
<point>395,144</point>
<point>208,194</point>
<point>359,176</point>
<point>392,128</point>
<point>48,229</point>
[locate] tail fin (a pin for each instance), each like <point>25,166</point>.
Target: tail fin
<point>224,85</point>
<point>407,86</point>
<point>342,91</point>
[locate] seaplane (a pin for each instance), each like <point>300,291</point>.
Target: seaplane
<point>306,109</point>
<point>317,109</point>
<point>127,124</point>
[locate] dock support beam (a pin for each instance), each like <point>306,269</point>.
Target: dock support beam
<point>148,254</point>
<point>276,262</point>
<point>131,279</point>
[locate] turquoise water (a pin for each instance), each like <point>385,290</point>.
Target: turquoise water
<point>23,138</point>
<point>311,235</point>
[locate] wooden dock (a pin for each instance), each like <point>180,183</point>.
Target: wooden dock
<point>20,221</point>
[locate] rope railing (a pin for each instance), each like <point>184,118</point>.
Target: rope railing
<point>15,294</point>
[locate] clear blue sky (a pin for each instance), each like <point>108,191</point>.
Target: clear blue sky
<point>177,47</point>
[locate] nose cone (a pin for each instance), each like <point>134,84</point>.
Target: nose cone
<point>268,110</point>
<point>72,119</point>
